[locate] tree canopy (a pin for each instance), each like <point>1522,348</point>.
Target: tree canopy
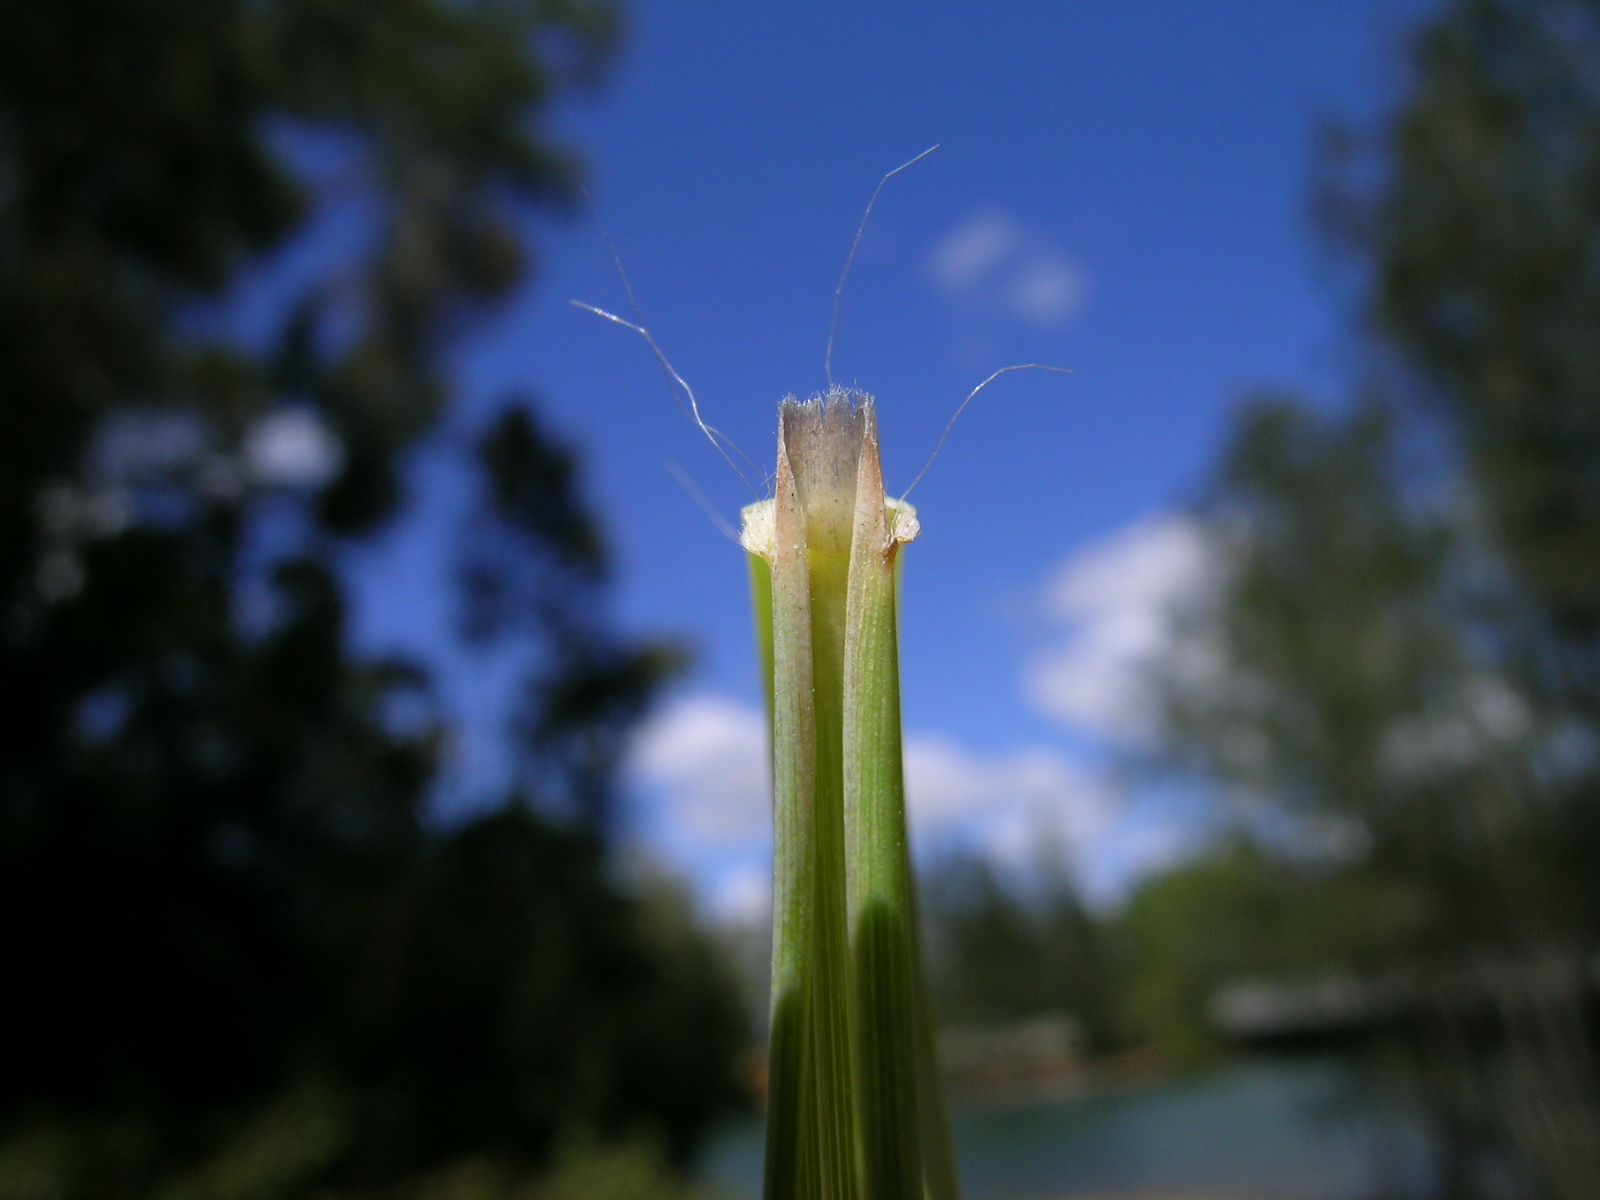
<point>242,956</point>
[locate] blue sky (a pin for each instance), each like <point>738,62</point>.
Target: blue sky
<point>1121,190</point>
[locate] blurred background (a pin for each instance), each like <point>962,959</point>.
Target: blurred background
<point>383,805</point>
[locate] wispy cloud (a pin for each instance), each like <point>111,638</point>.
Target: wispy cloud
<point>1008,805</point>
<point>973,249</point>
<point>1113,604</point>
<point>993,262</point>
<point>1047,291</point>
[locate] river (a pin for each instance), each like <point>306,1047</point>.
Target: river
<point>1255,1130</point>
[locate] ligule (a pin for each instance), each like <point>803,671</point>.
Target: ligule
<point>854,1103</point>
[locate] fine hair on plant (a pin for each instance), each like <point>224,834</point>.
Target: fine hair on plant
<point>855,1105</point>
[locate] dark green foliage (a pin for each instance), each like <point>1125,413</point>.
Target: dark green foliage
<point>1000,954</point>
<point>1484,243</point>
<point>531,487</point>
<point>513,995</point>
<point>1240,913</point>
<point>533,568</point>
<point>240,958</point>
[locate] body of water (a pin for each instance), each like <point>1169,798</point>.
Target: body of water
<point>1273,1130</point>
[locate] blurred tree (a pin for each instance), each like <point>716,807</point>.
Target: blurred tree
<point>1001,950</point>
<point>1405,635</point>
<point>239,958</point>
<point>1241,913</point>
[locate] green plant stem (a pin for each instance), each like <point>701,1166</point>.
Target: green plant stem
<point>854,1106</point>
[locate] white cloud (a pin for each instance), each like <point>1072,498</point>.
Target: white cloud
<point>708,755</point>
<point>1047,291</point>
<point>972,249</point>
<point>1009,804</point>
<point>291,447</point>
<point>1115,600</point>
<point>991,261</point>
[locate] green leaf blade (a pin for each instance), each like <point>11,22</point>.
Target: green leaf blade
<point>881,885</point>
<point>854,1102</point>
